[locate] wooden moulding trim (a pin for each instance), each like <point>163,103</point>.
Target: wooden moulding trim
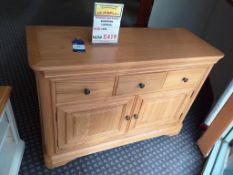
<point>141,67</point>
<point>46,114</point>
<point>4,96</point>
<point>63,158</point>
<point>162,62</point>
<point>32,45</point>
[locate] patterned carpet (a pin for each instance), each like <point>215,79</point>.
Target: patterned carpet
<point>176,155</point>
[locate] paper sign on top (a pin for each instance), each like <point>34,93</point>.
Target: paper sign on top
<point>106,22</point>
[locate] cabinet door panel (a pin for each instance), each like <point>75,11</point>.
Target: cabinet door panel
<point>159,109</point>
<point>87,124</point>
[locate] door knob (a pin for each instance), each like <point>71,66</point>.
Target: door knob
<point>135,116</point>
<point>185,79</point>
<point>141,85</point>
<point>127,117</point>
<point>87,91</point>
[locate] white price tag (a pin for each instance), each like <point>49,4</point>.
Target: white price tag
<point>106,22</point>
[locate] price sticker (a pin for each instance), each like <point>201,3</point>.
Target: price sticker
<point>106,22</point>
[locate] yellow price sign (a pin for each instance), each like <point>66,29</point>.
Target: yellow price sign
<point>106,22</point>
<point>102,9</point>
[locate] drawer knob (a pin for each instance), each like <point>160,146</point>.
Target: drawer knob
<point>135,116</point>
<point>87,91</point>
<point>185,79</point>
<point>127,117</point>
<point>141,85</point>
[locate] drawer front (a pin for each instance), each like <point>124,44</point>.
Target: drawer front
<point>83,88</point>
<point>140,83</point>
<point>184,78</point>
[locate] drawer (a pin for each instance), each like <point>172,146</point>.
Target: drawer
<point>140,83</point>
<point>83,88</point>
<point>184,78</point>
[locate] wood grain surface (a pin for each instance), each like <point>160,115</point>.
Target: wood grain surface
<point>4,96</point>
<point>50,47</point>
<point>172,65</point>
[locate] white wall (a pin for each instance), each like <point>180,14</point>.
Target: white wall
<point>191,14</point>
<point>219,32</point>
<point>210,19</point>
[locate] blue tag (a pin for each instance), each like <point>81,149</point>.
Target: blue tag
<point>78,45</point>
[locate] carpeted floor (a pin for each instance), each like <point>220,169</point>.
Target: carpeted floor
<point>176,155</point>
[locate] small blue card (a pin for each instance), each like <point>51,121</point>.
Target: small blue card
<point>78,45</point>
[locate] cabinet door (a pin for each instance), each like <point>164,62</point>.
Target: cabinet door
<point>87,124</point>
<point>156,111</point>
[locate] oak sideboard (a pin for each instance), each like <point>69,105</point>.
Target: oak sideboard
<point>113,95</point>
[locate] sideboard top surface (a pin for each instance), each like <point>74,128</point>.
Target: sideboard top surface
<point>4,96</point>
<point>50,47</point>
